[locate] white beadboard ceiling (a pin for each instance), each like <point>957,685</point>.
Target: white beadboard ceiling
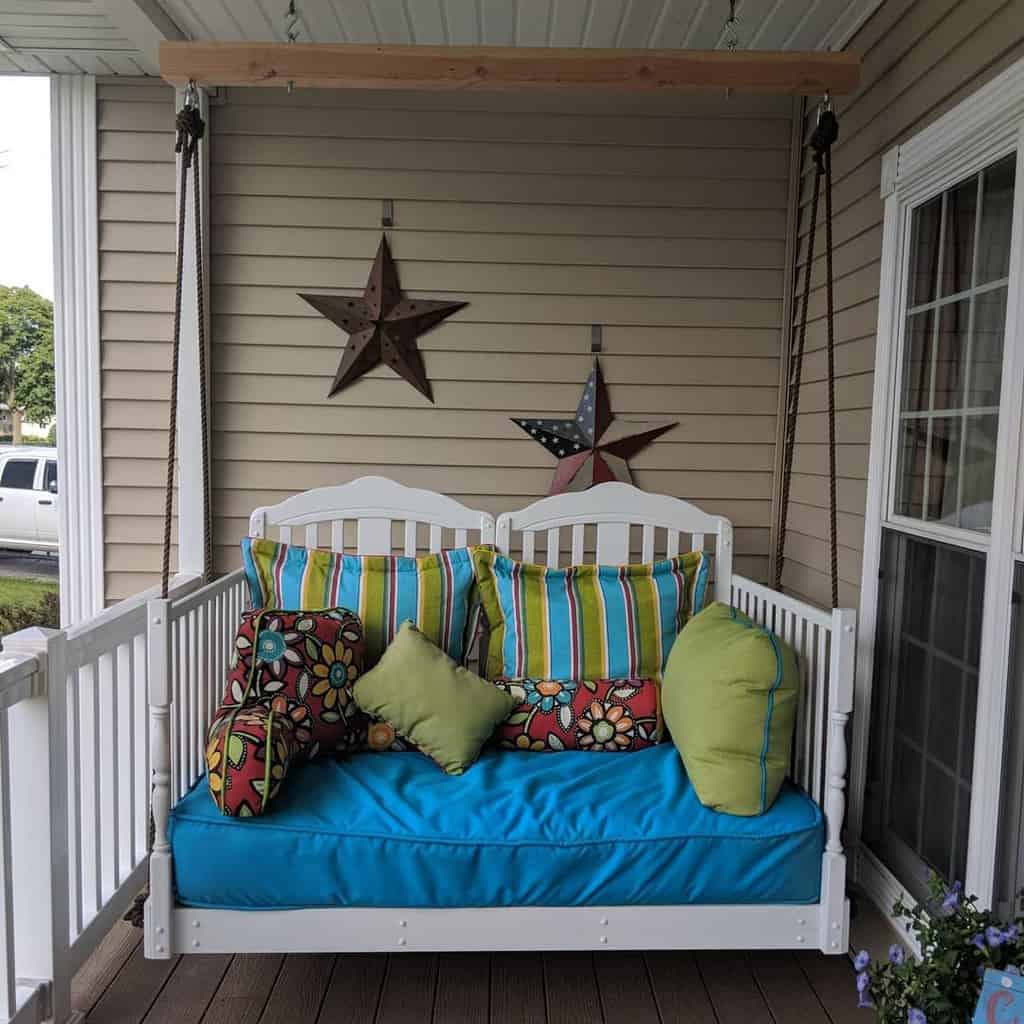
<point>120,36</point>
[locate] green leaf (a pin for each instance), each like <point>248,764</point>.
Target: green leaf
<point>518,718</point>
<point>312,649</point>
<point>236,750</point>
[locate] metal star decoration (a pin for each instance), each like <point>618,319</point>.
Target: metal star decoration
<point>593,447</point>
<point>382,326</point>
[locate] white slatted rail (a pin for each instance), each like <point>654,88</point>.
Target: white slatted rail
<point>385,518</point>
<point>630,525</point>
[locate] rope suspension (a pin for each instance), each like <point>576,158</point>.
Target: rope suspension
<point>190,127</point>
<point>825,134</point>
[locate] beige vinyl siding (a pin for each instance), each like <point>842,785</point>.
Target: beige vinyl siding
<point>920,59</point>
<point>665,223</point>
<point>663,220</point>
<point>135,146</point>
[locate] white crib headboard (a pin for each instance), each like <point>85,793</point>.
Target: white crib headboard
<point>375,506</point>
<point>617,511</point>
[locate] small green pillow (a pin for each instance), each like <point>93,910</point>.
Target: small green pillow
<point>446,710</point>
<point>729,698</point>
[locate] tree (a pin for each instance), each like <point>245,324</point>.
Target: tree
<point>26,354</point>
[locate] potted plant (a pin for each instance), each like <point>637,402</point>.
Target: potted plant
<point>958,941</point>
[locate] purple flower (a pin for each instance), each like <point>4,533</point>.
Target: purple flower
<point>896,954</point>
<point>1011,934</point>
<point>916,1016</point>
<point>978,941</point>
<point>993,936</point>
<point>861,960</point>
<point>952,900</point>
<point>863,981</point>
<point>864,1002</point>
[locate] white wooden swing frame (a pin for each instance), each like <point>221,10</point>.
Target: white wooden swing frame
<point>189,639</point>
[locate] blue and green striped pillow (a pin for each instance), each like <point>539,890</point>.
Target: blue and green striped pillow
<point>586,621</point>
<point>436,592</point>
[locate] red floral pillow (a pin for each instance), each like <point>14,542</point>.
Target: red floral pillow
<point>305,665</point>
<point>248,751</point>
<point>614,715</point>
<point>288,694</point>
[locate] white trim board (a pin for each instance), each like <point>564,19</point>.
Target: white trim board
<point>981,129</point>
<point>76,328</point>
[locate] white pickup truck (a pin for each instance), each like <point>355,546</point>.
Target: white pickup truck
<point>28,498</point>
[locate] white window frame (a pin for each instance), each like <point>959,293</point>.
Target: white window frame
<point>979,131</point>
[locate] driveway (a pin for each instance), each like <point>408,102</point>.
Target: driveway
<point>22,565</point>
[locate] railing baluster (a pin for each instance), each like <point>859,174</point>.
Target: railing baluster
<point>115,781</point>
<point>820,698</point>
<point>697,542</point>
<point>577,544</point>
<point>97,791</point>
<point>194,697</point>
<point>409,550</point>
<point>8,991</point>
<point>133,810</point>
<point>435,539</point>
<point>338,536</point>
<point>142,723</point>
<point>460,538</point>
<point>529,538</point>
<point>313,535</point>
<point>672,543</point>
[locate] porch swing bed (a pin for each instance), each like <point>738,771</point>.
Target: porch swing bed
<point>382,851</point>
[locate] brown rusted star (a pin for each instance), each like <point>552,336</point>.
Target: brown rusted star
<point>593,447</point>
<point>382,326</point>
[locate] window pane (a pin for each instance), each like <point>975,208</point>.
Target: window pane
<point>924,251</point>
<point>19,473</point>
<point>923,705</point>
<point>987,349</point>
<point>943,470</point>
<point>50,474</point>
<point>958,246</point>
<point>911,468</point>
<point>978,475</point>
<point>996,220</point>
<point>917,374</point>
<point>951,352</point>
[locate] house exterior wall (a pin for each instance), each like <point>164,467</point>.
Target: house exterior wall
<point>664,220</point>
<point>135,149</point>
<point>920,59</point>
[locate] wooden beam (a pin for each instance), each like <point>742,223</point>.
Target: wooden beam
<point>344,66</point>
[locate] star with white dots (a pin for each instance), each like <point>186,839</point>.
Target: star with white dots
<point>600,445</point>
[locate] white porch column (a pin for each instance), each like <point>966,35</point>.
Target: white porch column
<point>191,513</point>
<point>76,326</point>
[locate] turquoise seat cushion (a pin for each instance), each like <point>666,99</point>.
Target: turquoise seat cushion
<point>580,829</point>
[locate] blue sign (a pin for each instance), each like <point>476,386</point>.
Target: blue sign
<point>1002,999</point>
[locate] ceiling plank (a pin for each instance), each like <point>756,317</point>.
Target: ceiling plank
<point>145,23</point>
<point>504,68</point>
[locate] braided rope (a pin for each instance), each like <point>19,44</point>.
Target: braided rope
<point>830,327</point>
<point>825,134</point>
<point>190,128</point>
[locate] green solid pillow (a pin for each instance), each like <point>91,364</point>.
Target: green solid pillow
<point>729,698</point>
<point>446,710</point>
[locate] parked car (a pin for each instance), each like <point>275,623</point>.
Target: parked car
<point>28,498</point>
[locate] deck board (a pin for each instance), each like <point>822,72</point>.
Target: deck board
<point>117,985</point>
<point>353,993</point>
<point>245,989</point>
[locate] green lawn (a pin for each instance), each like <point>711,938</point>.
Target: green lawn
<point>26,603</point>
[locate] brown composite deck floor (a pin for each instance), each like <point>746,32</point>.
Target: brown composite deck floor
<point>119,986</point>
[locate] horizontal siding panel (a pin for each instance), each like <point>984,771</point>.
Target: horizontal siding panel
<point>137,420</point>
<point>590,190</point>
<point>661,133</point>
<point>477,247</point>
<point>543,217</point>
<point>488,308</point>
<point>301,475</point>
<point>633,401</point>
<point>497,367</point>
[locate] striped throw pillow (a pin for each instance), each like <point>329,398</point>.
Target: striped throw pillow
<point>586,621</point>
<point>437,592</point>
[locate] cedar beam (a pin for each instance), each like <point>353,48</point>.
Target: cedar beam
<point>347,66</point>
